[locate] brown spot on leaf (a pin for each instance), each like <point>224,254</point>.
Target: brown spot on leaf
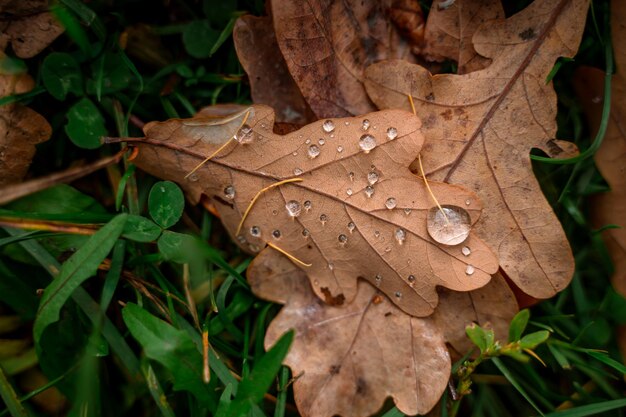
<point>447,114</point>
<point>330,300</point>
<point>527,34</point>
<point>334,369</point>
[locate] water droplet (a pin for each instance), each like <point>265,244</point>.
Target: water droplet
<point>313,151</point>
<point>295,153</point>
<point>346,123</point>
<point>328,126</point>
<point>340,149</point>
<point>349,191</point>
<point>467,202</point>
<point>306,233</point>
<point>392,133</point>
<point>398,294</point>
<point>369,191</point>
<point>307,141</point>
<point>331,266</point>
<point>193,177</point>
<point>351,176</point>
<point>366,124</point>
<point>241,239</point>
<point>323,219</point>
<point>469,270</point>
<point>332,136</point>
<point>378,279</point>
<point>407,211</point>
<point>376,233</point>
<point>351,227</point>
<point>229,192</point>
<point>245,135</point>
<point>400,235</point>
<point>321,141</point>
<point>274,212</point>
<point>367,143</point>
<point>276,234</point>
<point>293,208</point>
<point>343,239</point>
<point>391,203</point>
<point>297,171</point>
<point>254,248</point>
<point>372,177</point>
<point>466,251</point>
<point>307,205</point>
<point>255,231</point>
<point>411,279</point>
<point>449,229</point>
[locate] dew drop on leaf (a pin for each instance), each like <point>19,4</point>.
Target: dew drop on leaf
<point>343,239</point>
<point>293,208</point>
<point>340,149</point>
<point>398,294</point>
<point>313,151</point>
<point>321,141</point>
<point>349,191</point>
<point>229,192</point>
<point>450,229</point>
<point>328,126</point>
<point>407,211</point>
<point>367,143</point>
<point>306,233</point>
<point>466,251</point>
<point>411,279</point>
<point>366,124</point>
<point>392,133</point>
<point>400,235</point>
<point>297,171</point>
<point>369,191</point>
<point>391,203</point>
<point>307,205</point>
<point>372,177</point>
<point>469,270</point>
<point>255,231</point>
<point>276,234</point>
<point>351,227</point>
<point>378,279</point>
<point>323,219</point>
<point>245,135</point>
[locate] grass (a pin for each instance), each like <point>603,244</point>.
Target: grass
<point>132,340</point>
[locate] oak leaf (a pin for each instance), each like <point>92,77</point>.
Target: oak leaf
<point>328,45</point>
<point>480,128</point>
<point>347,360</point>
<point>358,212</point>
<point>449,32</point>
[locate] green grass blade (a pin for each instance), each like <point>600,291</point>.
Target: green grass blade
<point>7,393</point>
<point>508,375</point>
<point>113,276</point>
<point>604,358</point>
<point>80,266</point>
<point>156,391</point>
<point>394,412</point>
<point>590,409</point>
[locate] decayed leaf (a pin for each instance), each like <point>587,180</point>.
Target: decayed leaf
<point>358,212</point>
<point>270,81</point>
<point>481,126</point>
<point>27,26</point>
<point>348,359</point>
<point>328,45</point>
<point>449,32</point>
<point>20,130</point>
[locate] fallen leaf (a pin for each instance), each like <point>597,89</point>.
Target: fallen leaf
<point>346,360</point>
<point>358,212</point>
<point>270,81</point>
<point>480,128</point>
<point>408,17</point>
<point>328,45</point>
<point>27,26</point>
<point>20,130</point>
<point>449,32</point>
<point>610,208</point>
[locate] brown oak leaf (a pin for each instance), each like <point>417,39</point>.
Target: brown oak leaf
<point>480,128</point>
<point>21,129</point>
<point>27,26</point>
<point>358,212</point>
<point>270,81</point>
<point>449,32</point>
<point>328,45</point>
<point>347,360</point>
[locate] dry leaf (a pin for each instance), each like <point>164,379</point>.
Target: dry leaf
<point>20,130</point>
<point>408,17</point>
<point>28,26</point>
<point>610,208</point>
<point>328,45</point>
<point>348,359</point>
<point>449,32</point>
<point>340,231</point>
<point>481,126</point>
<point>270,81</point>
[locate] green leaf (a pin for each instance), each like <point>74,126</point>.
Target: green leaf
<point>590,409</point>
<point>508,375</point>
<point>483,338</point>
<point>199,38</point>
<point>12,66</point>
<point>61,75</point>
<point>166,203</point>
<point>110,74</point>
<point>225,402</point>
<point>518,325</point>
<point>10,398</point>
<point>532,340</point>
<point>141,229</point>
<point>172,348</point>
<point>178,247</point>
<point>252,389</point>
<point>607,360</point>
<point>85,125</point>
<point>80,266</point>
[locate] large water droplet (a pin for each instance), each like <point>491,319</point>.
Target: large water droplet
<point>307,205</point>
<point>369,191</point>
<point>351,227</point>
<point>276,234</point>
<point>328,126</point>
<point>366,124</point>
<point>313,151</point>
<point>297,171</point>
<point>245,135</point>
<point>293,208</point>
<point>449,229</point>
<point>466,251</point>
<point>255,231</point>
<point>372,177</point>
<point>323,219</point>
<point>343,239</point>
<point>400,235</point>
<point>469,270</point>
<point>367,142</point>
<point>391,203</point>
<point>392,133</point>
<point>229,192</point>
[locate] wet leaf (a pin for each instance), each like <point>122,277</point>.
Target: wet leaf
<point>354,210</point>
<point>348,359</point>
<point>61,75</point>
<point>449,32</point>
<point>480,128</point>
<point>327,46</point>
<point>85,124</point>
<point>166,203</point>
